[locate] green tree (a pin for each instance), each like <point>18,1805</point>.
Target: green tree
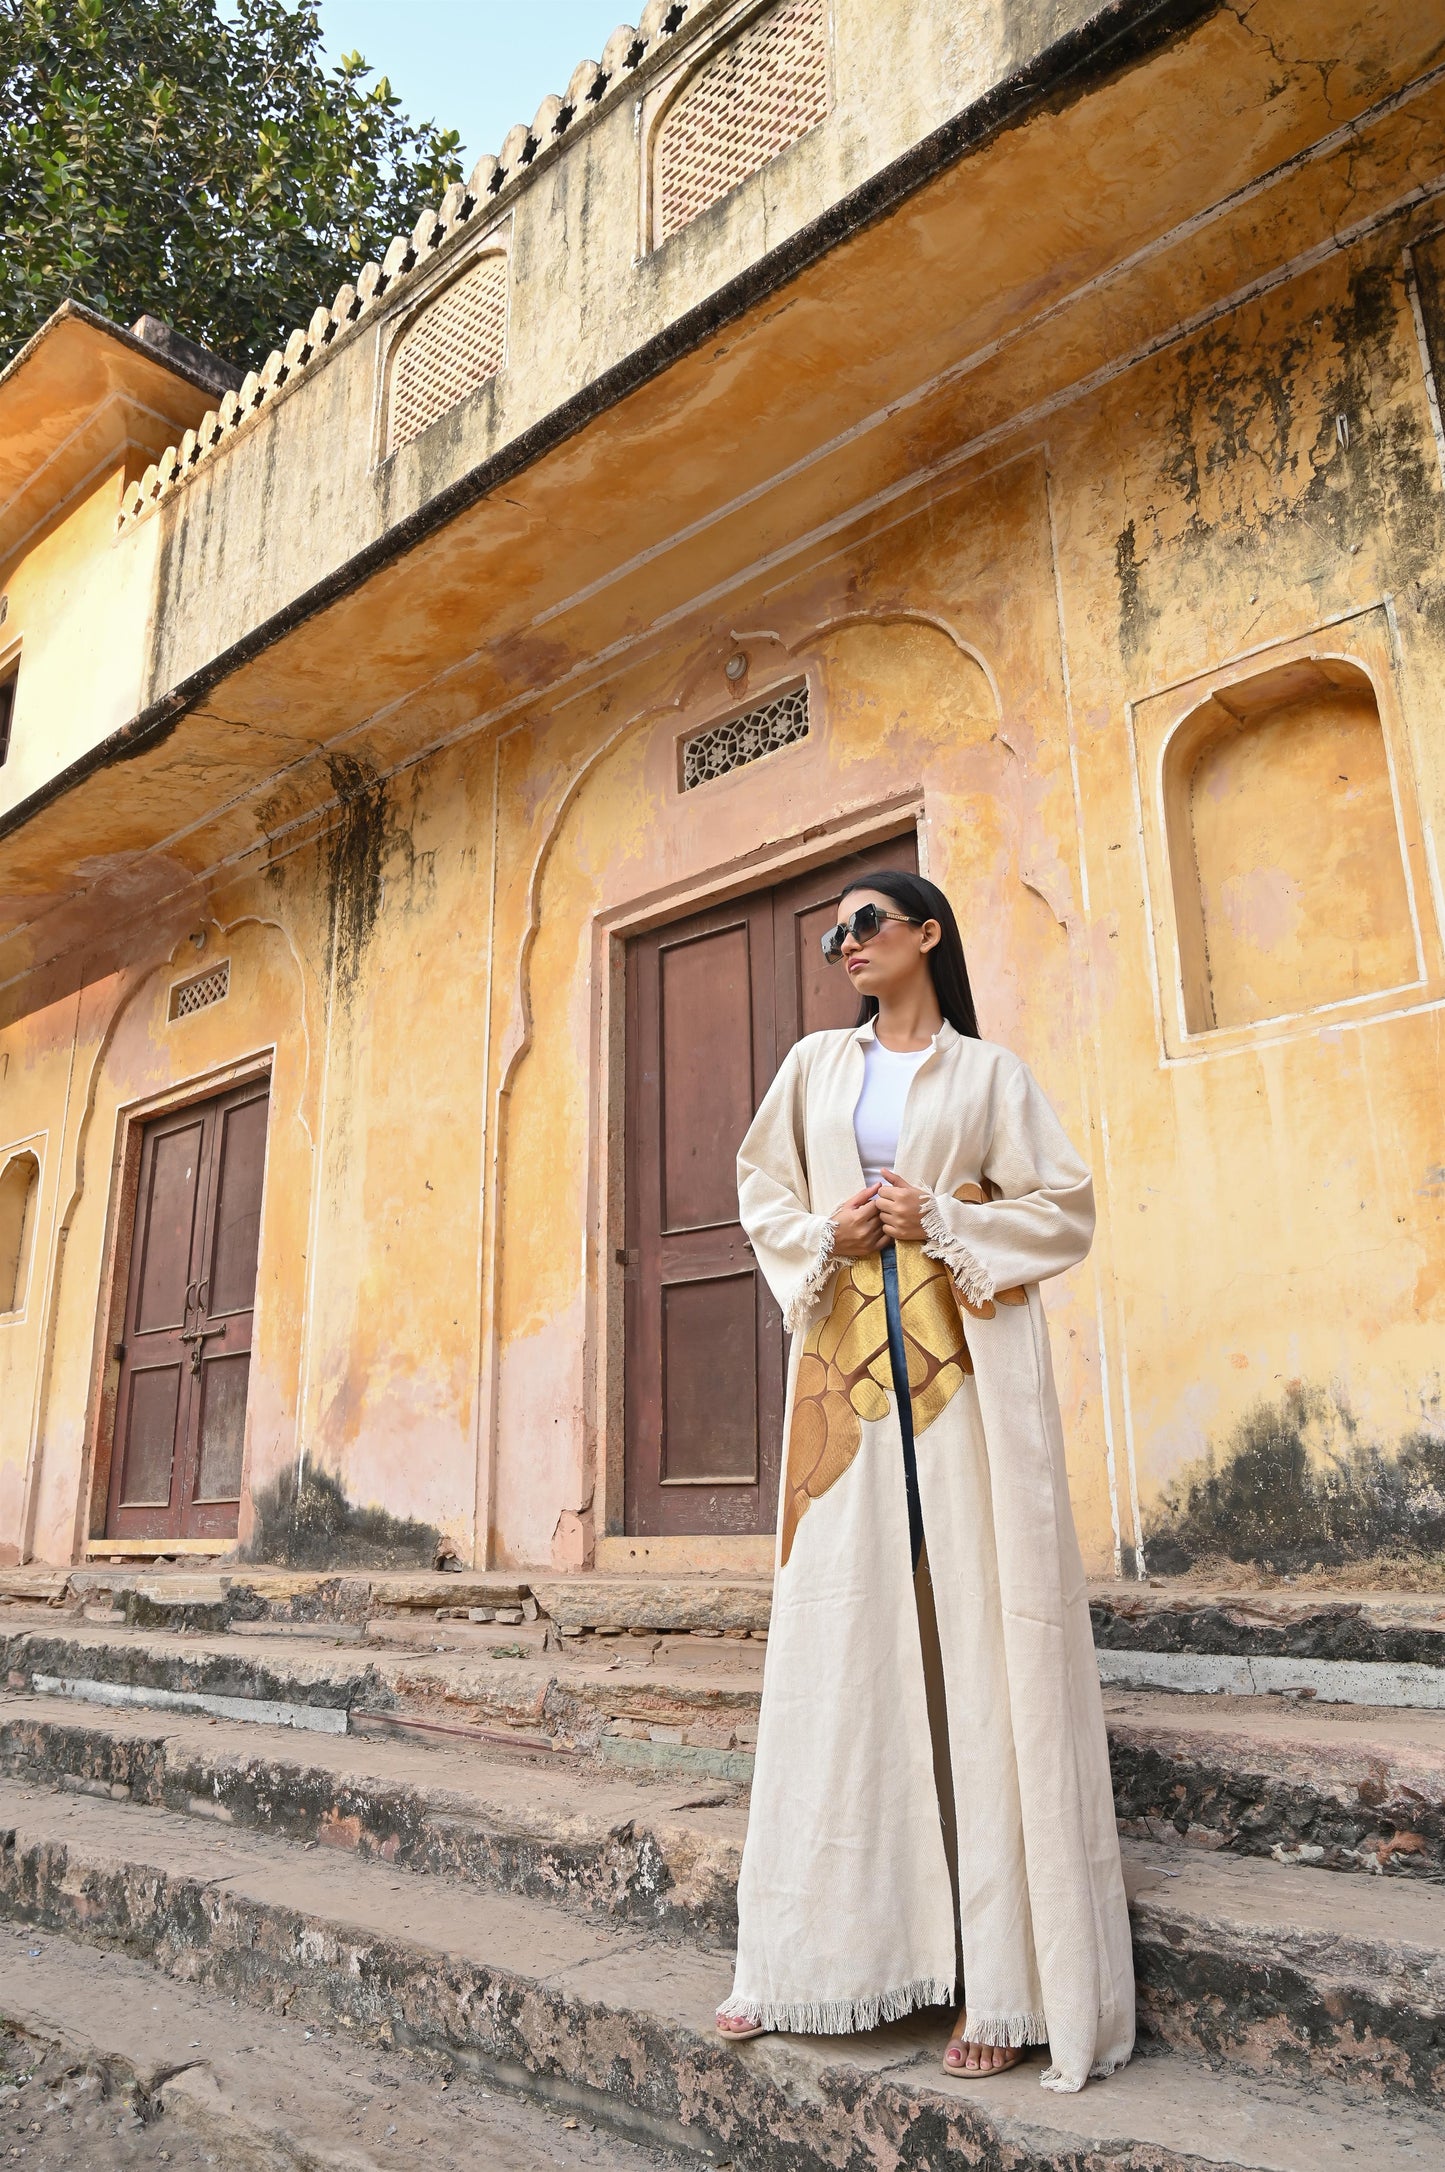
<point>164,156</point>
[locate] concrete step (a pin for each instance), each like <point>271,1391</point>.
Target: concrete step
<point>105,2060</point>
<point>1327,1785</point>
<point>505,1986</point>
<point>628,1849</point>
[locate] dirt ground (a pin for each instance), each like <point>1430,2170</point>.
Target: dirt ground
<point>107,2066</point>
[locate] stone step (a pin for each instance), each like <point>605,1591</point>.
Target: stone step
<point>105,2060</point>
<point>1396,1628</point>
<point>506,1986</point>
<point>1332,1786</point>
<point>1168,1633</point>
<point>1240,1959</point>
<point>684,1704</point>
<point>214,1599</point>
<point>1363,1648</point>
<point>1273,1971</point>
<point>631,1850</point>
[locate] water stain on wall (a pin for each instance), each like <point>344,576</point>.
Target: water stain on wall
<point>371,840</point>
<point>313,1525</point>
<point>1289,451</point>
<point>1297,1487</point>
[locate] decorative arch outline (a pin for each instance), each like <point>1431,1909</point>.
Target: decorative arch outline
<point>517,1043</point>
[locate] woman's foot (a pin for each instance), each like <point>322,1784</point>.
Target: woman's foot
<point>974,2060</point>
<point>737,2026</point>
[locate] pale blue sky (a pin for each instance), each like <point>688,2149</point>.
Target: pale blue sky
<point>473,65</point>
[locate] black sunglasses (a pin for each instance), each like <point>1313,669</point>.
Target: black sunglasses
<point>861,925</point>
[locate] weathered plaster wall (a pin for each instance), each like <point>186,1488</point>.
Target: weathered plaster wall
<point>1271,487</point>
<point>79,613</point>
<point>441,1302</point>
<point>36,1068</point>
<point>395,903</point>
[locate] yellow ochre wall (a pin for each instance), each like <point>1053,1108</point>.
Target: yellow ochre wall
<point>1004,655</point>
<point>72,691</point>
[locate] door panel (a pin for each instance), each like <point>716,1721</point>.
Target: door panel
<point>237,1235</point>
<point>709,1333</point>
<point>222,1427</point>
<point>170,1221</point>
<point>152,1412</point>
<point>707,1073</point>
<point>713,1004</point>
<point>185,1357</point>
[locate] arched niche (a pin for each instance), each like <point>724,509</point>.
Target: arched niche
<point>19,1197</point>
<point>1289,881</point>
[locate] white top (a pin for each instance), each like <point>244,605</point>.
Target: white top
<point>878,1117</point>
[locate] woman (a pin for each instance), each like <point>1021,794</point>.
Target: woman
<point>931,1797</point>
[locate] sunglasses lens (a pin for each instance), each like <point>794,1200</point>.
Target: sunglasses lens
<point>862,925</point>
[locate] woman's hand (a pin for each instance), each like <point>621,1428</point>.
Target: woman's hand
<point>900,1209</point>
<point>857,1225</point>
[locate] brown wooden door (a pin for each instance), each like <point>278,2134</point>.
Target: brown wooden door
<point>186,1352</point>
<point>714,1003</point>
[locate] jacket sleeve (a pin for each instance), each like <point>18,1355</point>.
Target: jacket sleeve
<point>1039,1219</point>
<point>794,1246</point>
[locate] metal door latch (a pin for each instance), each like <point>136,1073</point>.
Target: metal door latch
<point>195,1336</point>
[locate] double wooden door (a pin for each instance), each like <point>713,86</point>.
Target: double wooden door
<point>714,1003</point>
<point>186,1349</point>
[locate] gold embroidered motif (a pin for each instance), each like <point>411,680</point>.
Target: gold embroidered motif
<point>844,1374</point>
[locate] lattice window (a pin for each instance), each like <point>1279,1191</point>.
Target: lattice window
<point>751,101</point>
<point>455,344</point>
<point>746,738</point>
<point>201,990</point>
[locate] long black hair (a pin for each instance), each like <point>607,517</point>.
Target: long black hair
<point>923,900</point>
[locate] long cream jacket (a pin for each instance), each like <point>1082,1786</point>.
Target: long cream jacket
<point>865,1892</point>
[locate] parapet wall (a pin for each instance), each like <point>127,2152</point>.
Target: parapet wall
<point>703,141</point>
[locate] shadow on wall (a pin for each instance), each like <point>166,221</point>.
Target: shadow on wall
<point>1296,1489</point>
<point>315,1526</point>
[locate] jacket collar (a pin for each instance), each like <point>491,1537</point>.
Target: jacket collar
<point>945,1038</point>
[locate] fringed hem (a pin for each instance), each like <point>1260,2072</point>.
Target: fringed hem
<point>1006,2032</point>
<point>966,1268</point>
<point>1064,2085</point>
<point>840,2017</point>
<point>808,1295</point>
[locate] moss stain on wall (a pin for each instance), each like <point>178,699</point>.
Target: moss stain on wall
<point>1297,1486</point>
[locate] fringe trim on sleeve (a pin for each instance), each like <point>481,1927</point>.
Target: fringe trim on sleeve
<point>840,2017</point>
<point>807,1297</point>
<point>966,1268</point>
<point>1007,2032</point>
